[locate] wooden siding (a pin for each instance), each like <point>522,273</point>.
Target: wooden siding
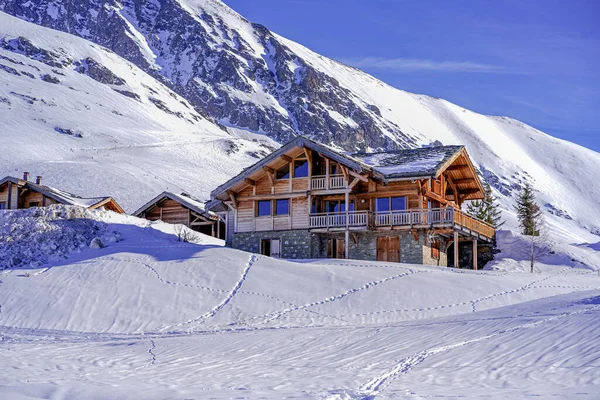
<point>169,211</point>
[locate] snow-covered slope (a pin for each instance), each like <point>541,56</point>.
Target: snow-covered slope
<point>148,317</point>
<point>94,124</point>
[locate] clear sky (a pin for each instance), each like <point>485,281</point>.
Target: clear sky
<point>534,60</point>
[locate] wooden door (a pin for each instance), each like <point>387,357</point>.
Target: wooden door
<point>336,248</point>
<point>341,248</point>
<point>388,248</point>
<point>276,248</point>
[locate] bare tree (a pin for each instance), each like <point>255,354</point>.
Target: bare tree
<point>185,234</point>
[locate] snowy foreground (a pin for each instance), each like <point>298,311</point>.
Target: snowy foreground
<point>147,317</point>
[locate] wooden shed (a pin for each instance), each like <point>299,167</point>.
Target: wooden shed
<point>18,193</point>
<point>182,209</point>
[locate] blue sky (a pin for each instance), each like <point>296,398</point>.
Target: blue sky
<point>536,61</point>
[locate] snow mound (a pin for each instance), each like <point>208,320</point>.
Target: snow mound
<point>35,236</point>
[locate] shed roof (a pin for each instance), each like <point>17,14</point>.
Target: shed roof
<point>59,195</point>
<point>183,199</point>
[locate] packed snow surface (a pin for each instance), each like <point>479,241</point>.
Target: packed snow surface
<point>148,317</point>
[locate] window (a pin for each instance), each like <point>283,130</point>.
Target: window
<point>2,205</point>
<point>34,204</point>
<point>398,203</point>
<point>283,172</point>
<point>334,169</point>
<point>263,208</point>
<point>300,169</point>
<point>384,204</point>
<point>338,206</point>
<point>282,207</point>
<point>350,205</point>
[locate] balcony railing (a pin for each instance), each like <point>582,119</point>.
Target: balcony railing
<point>334,182</point>
<point>355,219</point>
<point>434,216</point>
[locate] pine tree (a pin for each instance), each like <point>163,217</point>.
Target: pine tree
<point>488,209</point>
<point>529,213</point>
<point>532,224</point>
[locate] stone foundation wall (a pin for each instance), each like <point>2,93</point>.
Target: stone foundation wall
<point>365,248</point>
<point>302,244</point>
<point>295,244</point>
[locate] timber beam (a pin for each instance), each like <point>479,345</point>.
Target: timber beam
<point>250,182</point>
<point>287,158</point>
<point>461,181</point>
<point>232,198</point>
<point>457,167</point>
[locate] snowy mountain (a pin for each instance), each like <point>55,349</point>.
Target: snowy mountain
<point>92,123</point>
<point>255,82</point>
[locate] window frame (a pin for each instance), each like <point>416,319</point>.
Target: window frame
<point>3,205</point>
<point>289,173</point>
<point>258,215</point>
<point>274,209</point>
<point>390,202</point>
<point>304,162</point>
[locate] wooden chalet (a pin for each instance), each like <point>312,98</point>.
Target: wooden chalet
<point>18,193</point>
<point>182,209</point>
<point>308,200</point>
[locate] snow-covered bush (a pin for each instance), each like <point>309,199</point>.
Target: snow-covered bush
<point>35,236</point>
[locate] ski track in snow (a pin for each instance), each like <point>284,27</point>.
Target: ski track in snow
<point>379,383</point>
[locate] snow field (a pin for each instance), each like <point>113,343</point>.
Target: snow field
<point>149,317</point>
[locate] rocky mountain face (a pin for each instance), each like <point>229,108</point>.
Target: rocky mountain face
<point>239,73</point>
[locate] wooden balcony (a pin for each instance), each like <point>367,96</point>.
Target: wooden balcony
<point>434,217</point>
<point>331,182</point>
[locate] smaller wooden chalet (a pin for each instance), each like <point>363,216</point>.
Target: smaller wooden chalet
<point>18,193</point>
<point>182,209</point>
<point>308,200</point>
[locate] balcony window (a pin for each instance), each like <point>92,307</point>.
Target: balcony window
<point>283,172</point>
<point>398,203</point>
<point>2,205</point>
<point>385,204</point>
<point>334,169</point>
<point>350,205</point>
<point>263,208</point>
<point>300,169</point>
<point>282,207</point>
<point>332,206</point>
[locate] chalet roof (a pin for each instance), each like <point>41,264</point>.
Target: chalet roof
<point>411,163</point>
<point>388,165</point>
<point>183,199</point>
<point>58,195</point>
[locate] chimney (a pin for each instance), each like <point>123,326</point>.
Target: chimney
<point>25,176</point>
<point>38,179</point>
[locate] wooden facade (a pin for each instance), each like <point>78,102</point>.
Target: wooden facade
<point>308,186</point>
<point>21,193</point>
<point>182,209</point>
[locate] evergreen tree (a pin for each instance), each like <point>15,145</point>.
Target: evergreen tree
<point>488,209</point>
<point>529,213</point>
<point>532,224</point>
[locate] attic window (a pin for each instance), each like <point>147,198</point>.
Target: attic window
<point>300,168</point>
<point>283,172</point>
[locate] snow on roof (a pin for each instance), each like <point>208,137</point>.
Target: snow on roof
<point>57,194</point>
<point>409,163</point>
<point>183,198</point>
